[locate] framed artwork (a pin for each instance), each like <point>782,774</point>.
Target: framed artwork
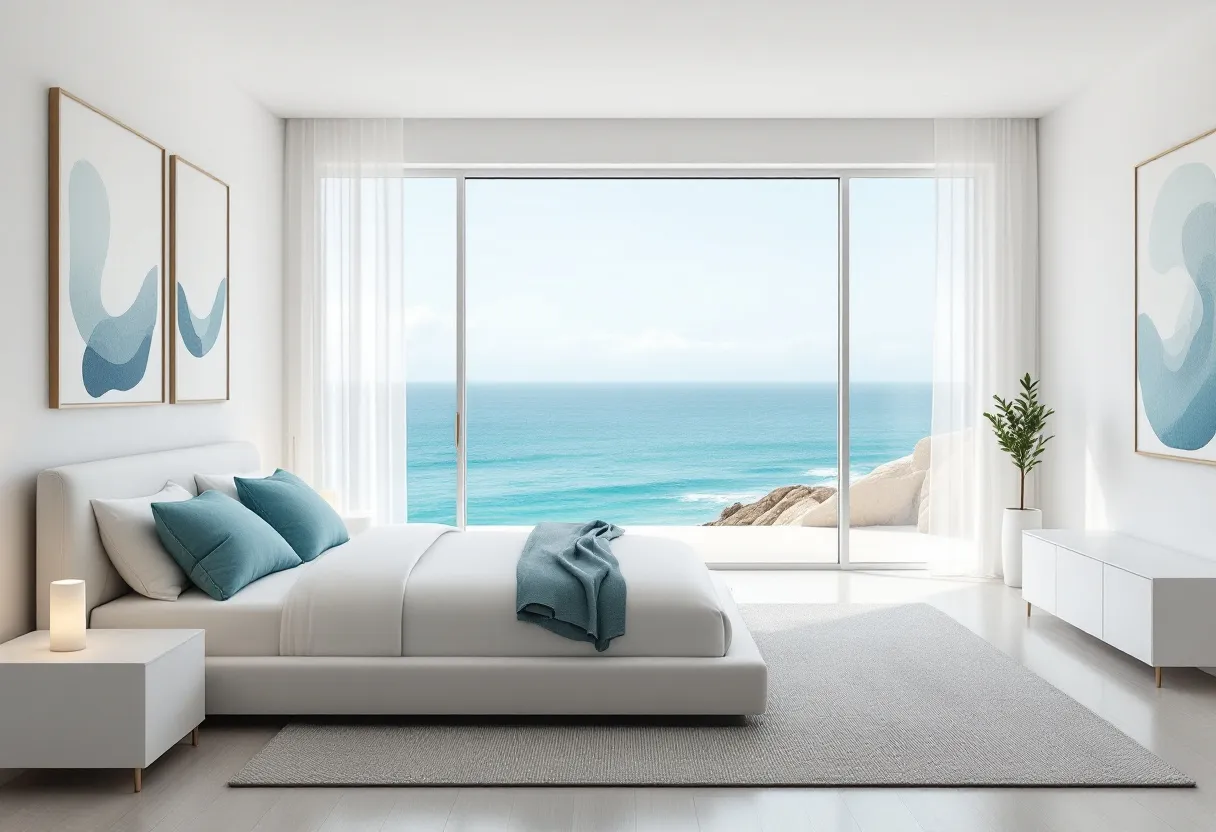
<point>1176,302</point>
<point>106,259</point>
<point>199,297</point>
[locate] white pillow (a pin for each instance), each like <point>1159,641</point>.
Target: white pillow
<point>128,531</point>
<point>223,483</point>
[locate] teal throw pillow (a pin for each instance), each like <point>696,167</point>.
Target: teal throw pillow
<point>221,545</point>
<point>298,513</point>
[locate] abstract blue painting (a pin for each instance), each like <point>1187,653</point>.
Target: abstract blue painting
<point>1176,302</point>
<point>116,346</point>
<point>198,245</point>
<point>107,259</point>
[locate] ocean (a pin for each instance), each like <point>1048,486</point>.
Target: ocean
<point>643,454</point>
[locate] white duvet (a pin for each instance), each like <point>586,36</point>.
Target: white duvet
<point>429,590</point>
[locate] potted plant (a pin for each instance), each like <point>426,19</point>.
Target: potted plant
<point>1019,426</point>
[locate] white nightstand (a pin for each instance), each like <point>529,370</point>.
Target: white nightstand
<point>120,703</point>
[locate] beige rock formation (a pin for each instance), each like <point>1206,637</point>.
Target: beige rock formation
<point>895,493</point>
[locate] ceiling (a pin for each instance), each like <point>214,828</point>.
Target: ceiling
<point>676,58</point>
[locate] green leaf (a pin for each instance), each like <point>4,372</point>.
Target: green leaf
<point>1018,425</point>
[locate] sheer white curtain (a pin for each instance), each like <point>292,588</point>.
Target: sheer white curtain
<point>345,299</point>
<point>986,330</point>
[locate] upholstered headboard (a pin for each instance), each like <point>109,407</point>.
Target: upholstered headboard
<point>69,545</point>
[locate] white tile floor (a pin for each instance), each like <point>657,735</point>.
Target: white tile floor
<point>186,789</point>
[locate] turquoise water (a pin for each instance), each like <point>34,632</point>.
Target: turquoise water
<point>655,454</point>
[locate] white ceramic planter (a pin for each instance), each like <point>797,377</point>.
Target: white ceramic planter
<point>1016,521</point>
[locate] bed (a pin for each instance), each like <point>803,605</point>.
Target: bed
<point>289,644</point>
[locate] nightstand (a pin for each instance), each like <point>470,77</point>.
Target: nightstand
<point>121,702</point>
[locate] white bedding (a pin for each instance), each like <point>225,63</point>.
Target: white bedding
<point>460,601</point>
<point>349,602</point>
<point>247,624</point>
<point>423,590</point>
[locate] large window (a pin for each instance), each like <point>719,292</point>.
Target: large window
<point>664,353</point>
<point>650,351</point>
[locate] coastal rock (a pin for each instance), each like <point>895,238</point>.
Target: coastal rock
<point>747,515</point>
<point>780,507</point>
<point>887,496</point>
<point>920,455</point>
<point>822,492</point>
<point>922,510</point>
<point>797,494</point>
<point>920,462</point>
<point>895,493</point>
<point>727,512</point>
<point>789,517</point>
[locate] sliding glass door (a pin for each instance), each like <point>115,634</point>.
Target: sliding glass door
<point>666,352</point>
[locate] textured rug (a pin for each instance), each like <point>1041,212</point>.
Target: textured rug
<point>858,696</point>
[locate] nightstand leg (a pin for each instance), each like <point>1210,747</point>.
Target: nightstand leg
<point>1158,677</point>
<point>1028,609</point>
<point>139,780</point>
<point>194,736</point>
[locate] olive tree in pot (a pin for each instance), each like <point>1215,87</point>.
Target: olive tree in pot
<point>1019,426</point>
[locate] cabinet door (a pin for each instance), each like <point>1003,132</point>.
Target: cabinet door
<point>1127,612</point>
<point>1039,572</point>
<point>1079,590</point>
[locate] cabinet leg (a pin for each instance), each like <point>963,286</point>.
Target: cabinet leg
<point>1028,609</point>
<point>1158,677</point>
<point>139,780</point>
<point>194,736</point>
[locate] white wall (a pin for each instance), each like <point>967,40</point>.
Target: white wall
<point>1088,150</point>
<point>129,58</point>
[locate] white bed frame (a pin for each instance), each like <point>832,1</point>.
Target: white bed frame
<point>69,546</point>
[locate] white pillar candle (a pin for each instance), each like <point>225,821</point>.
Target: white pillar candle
<point>67,615</point>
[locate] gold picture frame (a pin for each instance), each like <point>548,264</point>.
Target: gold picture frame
<point>1137,397</point>
<point>57,100</point>
<point>175,395</point>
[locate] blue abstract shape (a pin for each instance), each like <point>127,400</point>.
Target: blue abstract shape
<point>1186,188</point>
<point>101,376</point>
<point>199,334</point>
<point>1178,380</point>
<point>116,346</point>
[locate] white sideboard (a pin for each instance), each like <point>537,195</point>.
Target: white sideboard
<point>1154,603</point>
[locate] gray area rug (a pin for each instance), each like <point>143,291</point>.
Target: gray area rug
<point>858,696</point>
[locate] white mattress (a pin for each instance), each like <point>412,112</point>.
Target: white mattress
<point>247,624</point>
<point>460,601</point>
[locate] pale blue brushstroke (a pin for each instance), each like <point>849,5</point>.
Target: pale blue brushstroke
<point>116,346</point>
<point>1178,378</point>
<point>199,334</point>
<point>1190,316</point>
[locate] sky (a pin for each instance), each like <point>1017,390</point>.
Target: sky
<point>669,280</point>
